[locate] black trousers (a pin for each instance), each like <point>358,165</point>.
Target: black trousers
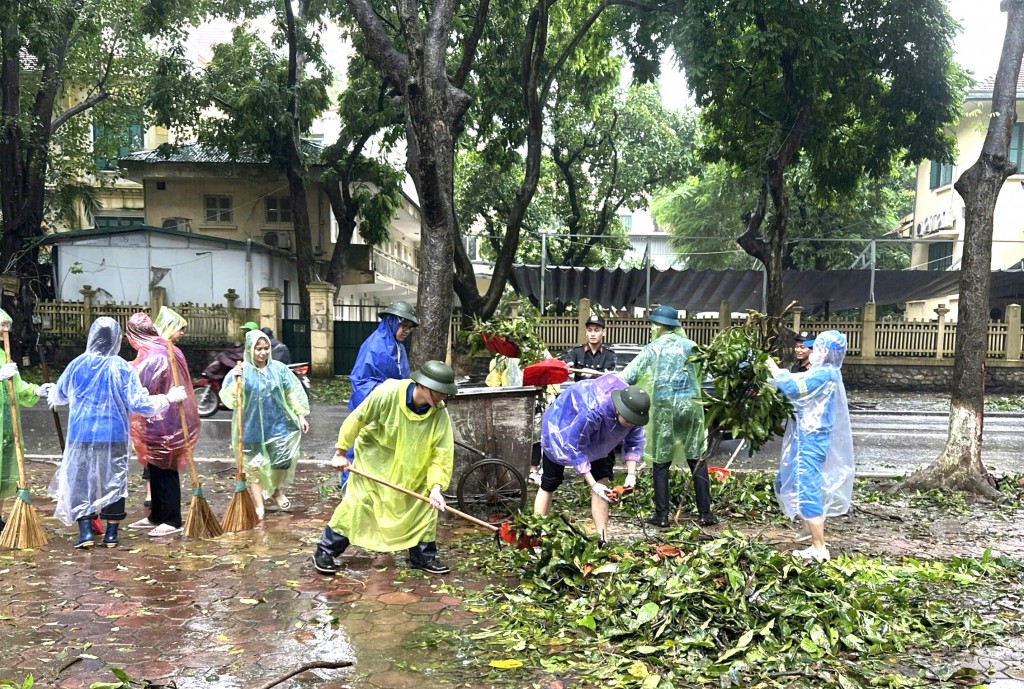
<point>114,512</point>
<point>701,487</point>
<point>335,543</point>
<point>165,485</point>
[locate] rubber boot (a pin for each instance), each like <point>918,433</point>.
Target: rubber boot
<point>661,506</point>
<point>110,537</point>
<point>84,534</point>
<point>702,491</point>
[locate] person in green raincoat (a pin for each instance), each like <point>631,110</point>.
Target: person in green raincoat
<point>26,395</point>
<point>274,411</point>
<point>401,433</point>
<point>676,431</point>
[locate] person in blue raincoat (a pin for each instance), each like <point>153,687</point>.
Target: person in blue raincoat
<point>381,357</point>
<point>274,411</point>
<point>102,390</point>
<point>816,472</point>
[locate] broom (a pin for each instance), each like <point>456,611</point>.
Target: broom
<point>241,513</point>
<point>23,530</point>
<point>200,522</point>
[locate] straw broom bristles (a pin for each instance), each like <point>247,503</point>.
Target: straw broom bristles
<point>23,530</point>
<point>200,522</point>
<point>241,513</point>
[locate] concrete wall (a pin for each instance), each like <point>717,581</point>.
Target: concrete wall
<point>183,197</point>
<point>923,375</point>
<point>200,271</point>
<point>1009,212</point>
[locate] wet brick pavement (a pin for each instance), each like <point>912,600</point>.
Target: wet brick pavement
<point>239,611</point>
<point>231,613</point>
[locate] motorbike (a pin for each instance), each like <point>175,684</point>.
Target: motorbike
<point>207,386</point>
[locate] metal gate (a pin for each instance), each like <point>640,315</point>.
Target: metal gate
<point>295,334</point>
<point>348,336</point>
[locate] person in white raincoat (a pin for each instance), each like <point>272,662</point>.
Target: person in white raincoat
<point>816,472</point>
<point>102,390</point>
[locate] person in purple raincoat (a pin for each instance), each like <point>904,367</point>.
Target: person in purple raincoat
<point>581,428</point>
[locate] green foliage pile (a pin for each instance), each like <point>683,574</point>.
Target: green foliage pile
<point>742,402</point>
<point>731,611</point>
<point>521,331</point>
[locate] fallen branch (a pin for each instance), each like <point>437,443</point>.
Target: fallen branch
<point>880,515</point>
<point>312,665</point>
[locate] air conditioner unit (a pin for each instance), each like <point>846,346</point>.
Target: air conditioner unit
<point>282,240</point>
<point>180,224</point>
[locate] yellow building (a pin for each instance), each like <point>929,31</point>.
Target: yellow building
<point>939,209</point>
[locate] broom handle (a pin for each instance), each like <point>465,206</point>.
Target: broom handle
<point>56,416</point>
<point>175,380</point>
<point>14,415</point>
<point>422,498</point>
<point>238,436</point>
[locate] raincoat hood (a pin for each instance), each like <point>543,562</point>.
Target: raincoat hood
<point>251,338</point>
<point>380,358</point>
<point>104,337</point>
<point>5,318</point>
<point>169,322</point>
<point>829,349</point>
<point>142,334</point>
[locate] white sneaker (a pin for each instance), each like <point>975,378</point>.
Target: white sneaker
<point>535,476</point>
<point>813,553</point>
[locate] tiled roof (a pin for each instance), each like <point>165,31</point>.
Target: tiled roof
<point>983,89</point>
<point>205,153</point>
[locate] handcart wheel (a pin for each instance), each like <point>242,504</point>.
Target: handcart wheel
<point>492,490</point>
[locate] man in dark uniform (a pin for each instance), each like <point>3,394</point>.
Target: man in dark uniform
<point>802,351</point>
<point>593,355</point>
<point>594,358</point>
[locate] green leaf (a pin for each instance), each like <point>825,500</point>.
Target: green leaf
<point>647,612</point>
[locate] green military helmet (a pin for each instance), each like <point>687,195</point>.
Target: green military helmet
<point>665,315</point>
<point>437,376</point>
<point>403,310</point>
<point>633,404</point>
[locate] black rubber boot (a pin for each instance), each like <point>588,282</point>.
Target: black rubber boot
<point>324,562</point>
<point>702,490</point>
<point>84,534</point>
<point>110,537</point>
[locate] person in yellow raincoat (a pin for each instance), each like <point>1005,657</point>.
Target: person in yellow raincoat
<point>26,395</point>
<point>402,433</point>
<point>274,411</point>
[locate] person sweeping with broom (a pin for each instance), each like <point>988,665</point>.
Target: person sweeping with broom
<point>159,440</point>
<point>25,395</point>
<point>401,433</point>
<point>273,415</point>
<point>102,390</point>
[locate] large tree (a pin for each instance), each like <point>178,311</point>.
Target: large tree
<point>429,58</point>
<point>605,152</point>
<point>851,87</point>
<point>701,215</point>
<point>959,465</point>
<point>66,67</point>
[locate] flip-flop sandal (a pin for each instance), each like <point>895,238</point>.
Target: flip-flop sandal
<point>164,530</point>
<point>283,502</point>
<point>143,524</point>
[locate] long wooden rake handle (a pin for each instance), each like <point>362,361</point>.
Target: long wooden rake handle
<point>176,380</point>
<point>423,498</point>
<point>239,474</point>
<point>14,416</point>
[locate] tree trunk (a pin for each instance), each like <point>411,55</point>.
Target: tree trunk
<point>345,215</point>
<point>959,465</point>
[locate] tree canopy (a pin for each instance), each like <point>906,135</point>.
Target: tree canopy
<point>846,87</point>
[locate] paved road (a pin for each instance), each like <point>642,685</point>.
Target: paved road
<point>884,441</point>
